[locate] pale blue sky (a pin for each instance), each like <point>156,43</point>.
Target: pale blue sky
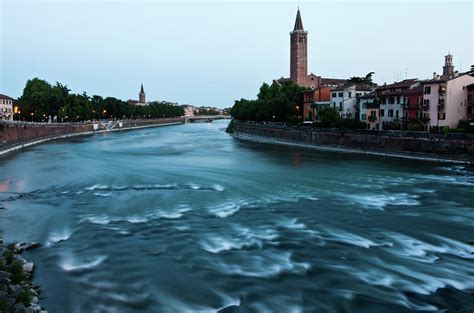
<point>211,53</point>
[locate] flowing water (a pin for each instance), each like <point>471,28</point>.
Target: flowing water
<point>188,219</point>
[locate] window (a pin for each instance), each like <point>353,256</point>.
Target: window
<point>426,102</point>
<point>382,112</point>
<point>391,100</point>
<point>427,90</point>
<point>341,94</point>
<point>398,100</point>
<point>340,106</point>
<point>363,117</point>
<point>350,94</point>
<point>334,94</point>
<point>396,114</point>
<point>390,113</point>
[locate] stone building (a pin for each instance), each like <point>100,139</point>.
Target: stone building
<point>141,98</point>
<point>6,108</point>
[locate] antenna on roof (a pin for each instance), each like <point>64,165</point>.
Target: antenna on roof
<point>406,72</point>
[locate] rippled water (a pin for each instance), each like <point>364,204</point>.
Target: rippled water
<point>187,219</point>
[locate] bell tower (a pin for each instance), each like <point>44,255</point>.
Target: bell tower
<point>299,52</point>
<point>141,95</point>
<point>448,67</point>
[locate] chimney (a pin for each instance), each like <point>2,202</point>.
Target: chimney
<point>434,75</point>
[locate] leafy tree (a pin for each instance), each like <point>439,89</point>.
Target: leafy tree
<point>367,80</point>
<point>329,117</point>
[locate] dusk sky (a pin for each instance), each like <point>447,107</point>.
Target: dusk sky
<point>212,53</point>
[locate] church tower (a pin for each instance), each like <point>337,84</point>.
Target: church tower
<point>448,67</point>
<point>299,52</point>
<point>141,96</point>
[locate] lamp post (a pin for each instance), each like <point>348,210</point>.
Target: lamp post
<point>32,114</point>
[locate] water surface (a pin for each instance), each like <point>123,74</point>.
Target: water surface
<point>187,219</point>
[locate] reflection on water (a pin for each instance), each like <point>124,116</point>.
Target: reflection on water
<point>187,219</point>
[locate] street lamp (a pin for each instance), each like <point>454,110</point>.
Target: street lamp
<point>32,114</point>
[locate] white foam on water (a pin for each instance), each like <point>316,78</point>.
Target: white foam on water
<point>348,238</point>
<point>97,187</point>
<point>99,220</point>
<point>59,236</point>
<point>103,194</point>
<point>225,209</point>
<point>73,263</point>
<point>380,201</point>
<point>136,219</point>
<point>265,264</point>
<point>217,187</point>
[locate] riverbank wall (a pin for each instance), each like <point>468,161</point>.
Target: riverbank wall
<point>14,136</point>
<point>453,148</point>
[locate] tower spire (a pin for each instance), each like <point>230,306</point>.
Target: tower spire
<point>141,90</point>
<point>298,22</point>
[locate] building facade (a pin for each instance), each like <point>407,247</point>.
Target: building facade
<point>369,110</point>
<point>344,99</point>
<point>6,108</point>
<point>445,97</point>
<point>314,100</point>
<point>391,99</point>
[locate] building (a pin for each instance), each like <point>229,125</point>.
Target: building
<point>299,61</point>
<point>391,99</point>
<point>412,109</point>
<point>369,110</point>
<point>6,108</point>
<point>141,98</point>
<point>470,102</point>
<point>344,98</point>
<point>445,97</point>
<point>189,110</point>
<point>314,99</point>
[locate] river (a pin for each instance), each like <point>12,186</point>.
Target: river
<point>188,219</point>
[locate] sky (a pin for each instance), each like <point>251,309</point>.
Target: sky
<point>213,53</point>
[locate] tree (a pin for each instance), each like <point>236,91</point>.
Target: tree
<point>329,117</point>
<point>367,80</point>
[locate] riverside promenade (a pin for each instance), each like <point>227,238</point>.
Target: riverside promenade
<point>18,135</point>
<point>435,147</point>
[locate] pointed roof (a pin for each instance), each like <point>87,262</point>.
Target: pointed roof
<point>298,22</point>
<point>141,90</point>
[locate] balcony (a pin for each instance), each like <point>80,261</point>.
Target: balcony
<point>441,107</point>
<point>372,118</point>
<point>426,107</point>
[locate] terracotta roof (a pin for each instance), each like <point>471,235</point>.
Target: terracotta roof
<point>444,78</point>
<point>359,87</point>
<point>4,97</point>
<point>417,89</point>
<point>403,84</point>
<point>332,81</point>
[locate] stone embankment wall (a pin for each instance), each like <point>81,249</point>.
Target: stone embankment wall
<point>414,144</point>
<point>17,135</point>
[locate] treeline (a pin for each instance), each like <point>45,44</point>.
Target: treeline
<point>274,103</point>
<point>41,100</point>
<point>284,104</point>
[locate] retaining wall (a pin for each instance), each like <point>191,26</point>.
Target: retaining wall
<point>18,135</point>
<point>448,146</point>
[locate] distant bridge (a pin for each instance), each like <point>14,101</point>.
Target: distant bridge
<point>205,118</point>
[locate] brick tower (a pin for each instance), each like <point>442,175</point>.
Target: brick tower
<point>141,96</point>
<point>299,52</point>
